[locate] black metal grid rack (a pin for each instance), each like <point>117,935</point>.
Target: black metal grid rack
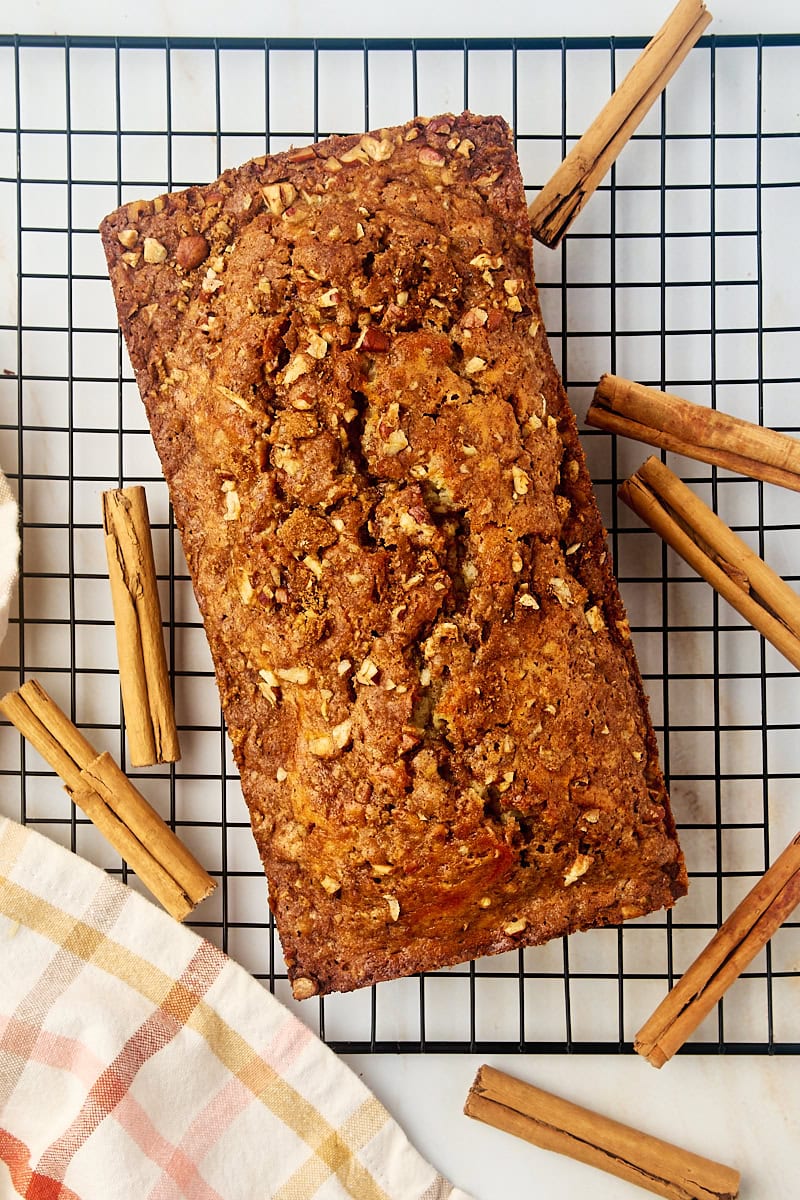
<point>681,272</point>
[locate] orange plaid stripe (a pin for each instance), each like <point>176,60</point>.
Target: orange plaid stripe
<point>114,1083</point>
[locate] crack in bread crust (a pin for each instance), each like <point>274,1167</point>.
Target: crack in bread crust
<point>423,659</point>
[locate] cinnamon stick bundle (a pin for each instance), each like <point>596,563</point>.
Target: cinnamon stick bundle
<point>735,945</point>
<point>143,676</point>
<point>696,533</point>
<point>112,803</point>
<point>563,197</point>
<point>672,423</point>
<point>555,1124</point>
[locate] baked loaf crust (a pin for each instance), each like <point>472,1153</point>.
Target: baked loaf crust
<point>424,664</point>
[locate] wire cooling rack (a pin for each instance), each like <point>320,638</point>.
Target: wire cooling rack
<point>681,272</point>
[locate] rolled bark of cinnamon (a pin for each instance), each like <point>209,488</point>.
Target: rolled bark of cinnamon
<point>98,786</point>
<point>746,931</point>
<point>563,197</point>
<point>632,410</point>
<point>555,1124</point>
<point>701,538</point>
<point>143,674</point>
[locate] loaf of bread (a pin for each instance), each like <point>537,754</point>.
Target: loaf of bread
<point>424,664</point>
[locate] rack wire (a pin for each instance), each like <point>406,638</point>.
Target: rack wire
<point>681,273</point>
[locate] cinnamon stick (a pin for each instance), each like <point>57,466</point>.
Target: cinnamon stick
<point>98,787</point>
<point>701,538</point>
<point>143,675</point>
<point>156,879</point>
<point>556,1124</point>
<point>563,197</point>
<point>734,945</point>
<point>672,423</point>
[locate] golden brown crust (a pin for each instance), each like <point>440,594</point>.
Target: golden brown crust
<point>423,659</point>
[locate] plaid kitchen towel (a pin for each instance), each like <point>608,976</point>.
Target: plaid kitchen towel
<point>138,1060</point>
<point>9,550</point>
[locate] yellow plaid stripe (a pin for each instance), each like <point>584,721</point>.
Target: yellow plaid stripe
<point>361,1127</point>
<point>336,1149</point>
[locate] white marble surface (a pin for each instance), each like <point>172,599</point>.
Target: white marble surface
<point>376,18</point>
<point>742,1111</point>
<point>738,1111</point>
